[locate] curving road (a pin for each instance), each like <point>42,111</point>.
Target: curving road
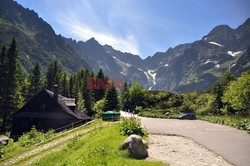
<point>230,143</point>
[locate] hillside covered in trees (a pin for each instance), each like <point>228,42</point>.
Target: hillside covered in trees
<point>17,87</point>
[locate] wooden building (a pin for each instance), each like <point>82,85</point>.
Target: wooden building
<point>48,110</point>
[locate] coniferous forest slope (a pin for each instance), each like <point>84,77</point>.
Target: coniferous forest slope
<point>184,68</point>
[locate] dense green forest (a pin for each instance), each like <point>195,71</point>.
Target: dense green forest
<point>228,98</point>
<point>17,87</point>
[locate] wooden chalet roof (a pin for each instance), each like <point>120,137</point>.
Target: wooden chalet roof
<point>66,104</point>
<point>66,100</point>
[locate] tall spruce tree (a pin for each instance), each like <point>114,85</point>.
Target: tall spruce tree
<point>3,74</point>
<point>36,81</point>
<point>65,85</point>
<point>3,83</point>
<point>57,72</point>
<point>11,95</point>
<point>71,86</point>
<point>99,93</point>
<point>87,95</point>
<point>50,77</point>
<point>124,96</point>
<point>54,75</point>
<point>111,100</point>
<point>80,102</point>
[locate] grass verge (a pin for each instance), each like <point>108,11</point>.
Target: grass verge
<point>236,122</point>
<point>100,147</point>
<point>157,115</point>
<point>233,121</point>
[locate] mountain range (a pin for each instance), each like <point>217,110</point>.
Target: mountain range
<point>186,67</point>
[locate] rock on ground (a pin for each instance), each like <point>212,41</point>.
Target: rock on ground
<point>135,146</point>
<point>4,140</point>
<point>181,151</point>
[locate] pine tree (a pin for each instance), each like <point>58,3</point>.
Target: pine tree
<point>87,95</point>
<point>54,75</point>
<point>50,77</point>
<point>111,100</point>
<point>80,102</point>
<point>57,72</point>
<point>124,96</point>
<point>71,86</point>
<point>36,81</point>
<point>99,93</point>
<point>65,85</point>
<point>3,82</point>
<point>11,95</point>
<point>3,74</point>
<point>88,101</point>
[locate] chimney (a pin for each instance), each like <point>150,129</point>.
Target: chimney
<point>55,92</point>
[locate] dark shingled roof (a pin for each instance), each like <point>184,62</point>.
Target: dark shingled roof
<point>66,104</point>
<point>61,101</point>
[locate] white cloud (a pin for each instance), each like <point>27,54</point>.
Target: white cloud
<point>73,19</point>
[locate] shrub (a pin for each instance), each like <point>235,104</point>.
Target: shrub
<point>138,109</point>
<point>73,142</point>
<point>130,126</point>
<point>34,136</point>
<point>1,151</point>
<point>99,107</point>
<point>236,122</point>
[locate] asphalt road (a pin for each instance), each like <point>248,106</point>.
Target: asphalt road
<point>230,143</point>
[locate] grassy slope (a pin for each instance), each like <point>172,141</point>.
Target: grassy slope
<point>14,150</point>
<point>100,147</point>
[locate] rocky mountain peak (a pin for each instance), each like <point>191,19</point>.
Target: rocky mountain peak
<point>92,41</point>
<point>247,22</point>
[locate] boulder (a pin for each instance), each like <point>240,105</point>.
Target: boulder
<point>135,146</point>
<point>4,140</point>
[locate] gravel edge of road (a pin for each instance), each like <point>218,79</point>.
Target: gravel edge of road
<point>186,138</point>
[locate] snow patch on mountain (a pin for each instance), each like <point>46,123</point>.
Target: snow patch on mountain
<point>207,61</point>
<point>128,65</point>
<point>146,73</point>
<point>140,69</point>
<point>217,44</point>
<point>234,53</point>
<point>210,61</point>
<point>153,75</point>
<point>123,65</point>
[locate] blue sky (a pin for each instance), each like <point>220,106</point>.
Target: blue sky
<point>142,27</point>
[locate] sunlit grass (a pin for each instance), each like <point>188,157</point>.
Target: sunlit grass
<point>100,147</point>
<point>14,149</point>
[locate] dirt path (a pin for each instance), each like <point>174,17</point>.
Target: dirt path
<point>56,145</point>
<point>181,151</point>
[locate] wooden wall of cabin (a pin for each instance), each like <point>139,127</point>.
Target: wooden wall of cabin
<point>21,125</point>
